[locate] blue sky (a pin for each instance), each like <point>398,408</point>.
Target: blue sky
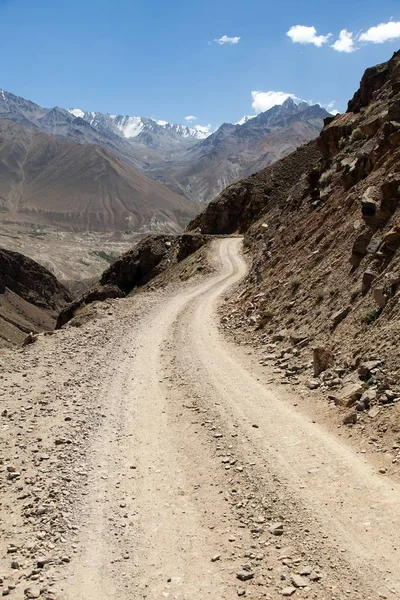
<point>159,58</point>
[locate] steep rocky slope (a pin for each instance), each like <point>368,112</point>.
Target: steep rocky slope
<point>30,298</point>
<point>46,180</point>
<point>325,252</point>
<point>235,151</point>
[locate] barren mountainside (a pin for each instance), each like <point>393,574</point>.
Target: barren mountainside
<point>235,151</point>
<point>45,180</point>
<point>190,160</point>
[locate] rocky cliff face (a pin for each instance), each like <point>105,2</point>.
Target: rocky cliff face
<point>325,249</point>
<point>30,298</point>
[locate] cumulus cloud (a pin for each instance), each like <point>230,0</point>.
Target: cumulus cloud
<point>263,101</point>
<point>383,32</point>
<point>345,42</point>
<point>302,34</point>
<point>225,39</point>
<point>206,129</point>
<point>190,118</point>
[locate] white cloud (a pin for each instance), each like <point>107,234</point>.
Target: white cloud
<point>263,101</point>
<point>225,39</point>
<point>301,34</point>
<point>330,108</point>
<point>382,33</point>
<point>206,129</point>
<point>345,42</point>
<point>190,118</point>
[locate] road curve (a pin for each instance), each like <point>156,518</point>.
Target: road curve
<point>197,458</point>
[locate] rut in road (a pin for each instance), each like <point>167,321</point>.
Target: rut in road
<point>197,456</point>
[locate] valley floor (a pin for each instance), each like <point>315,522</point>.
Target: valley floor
<point>143,455</point>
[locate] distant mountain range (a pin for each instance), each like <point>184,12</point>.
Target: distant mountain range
<point>177,165</point>
<point>236,151</point>
<point>46,180</point>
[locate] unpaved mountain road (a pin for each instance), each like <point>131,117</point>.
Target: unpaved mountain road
<point>154,460</point>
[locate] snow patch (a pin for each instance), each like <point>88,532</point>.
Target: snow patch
<point>244,119</point>
<point>130,127</point>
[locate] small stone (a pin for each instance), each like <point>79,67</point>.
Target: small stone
<point>244,575</point>
<point>215,557</point>
<point>32,592</point>
<point>374,412</point>
<point>276,529</point>
<point>241,592</point>
<point>288,591</point>
<point>298,581</point>
<point>313,384</point>
<point>350,419</point>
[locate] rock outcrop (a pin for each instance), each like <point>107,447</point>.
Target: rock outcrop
<point>150,257</point>
<point>30,297</point>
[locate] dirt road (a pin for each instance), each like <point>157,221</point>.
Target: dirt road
<point>186,475</point>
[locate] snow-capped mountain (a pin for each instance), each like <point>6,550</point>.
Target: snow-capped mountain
<point>141,141</point>
<point>244,119</point>
<point>192,161</point>
<point>131,127</point>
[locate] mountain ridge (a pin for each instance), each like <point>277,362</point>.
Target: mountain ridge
<point>48,180</point>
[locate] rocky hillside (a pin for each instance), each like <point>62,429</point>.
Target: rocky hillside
<point>324,246</point>
<point>46,180</point>
<point>235,151</point>
<point>152,256</point>
<point>30,298</point>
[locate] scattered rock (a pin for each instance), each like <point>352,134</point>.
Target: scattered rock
<point>298,581</point>
<point>350,419</point>
<point>313,384</point>
<point>276,529</point>
<point>339,316</point>
<point>244,575</point>
<point>322,359</point>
